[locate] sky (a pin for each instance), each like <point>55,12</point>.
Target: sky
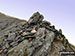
<point>60,13</point>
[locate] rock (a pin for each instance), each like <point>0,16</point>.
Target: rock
<point>28,30</point>
<point>43,51</point>
<point>1,40</point>
<point>25,33</point>
<point>5,51</point>
<point>45,23</point>
<point>33,31</point>
<point>7,45</point>
<point>40,32</point>
<point>11,37</point>
<point>60,31</point>
<point>35,18</point>
<point>30,39</point>
<point>1,51</point>
<point>34,37</point>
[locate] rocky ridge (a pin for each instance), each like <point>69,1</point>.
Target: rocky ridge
<point>35,37</point>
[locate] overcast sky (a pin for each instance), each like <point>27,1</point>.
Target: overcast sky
<point>60,13</point>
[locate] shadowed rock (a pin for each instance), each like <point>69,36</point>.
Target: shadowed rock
<point>35,18</point>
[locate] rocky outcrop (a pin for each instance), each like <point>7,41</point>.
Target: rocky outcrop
<point>35,37</point>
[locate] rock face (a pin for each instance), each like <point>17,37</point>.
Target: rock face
<point>35,37</point>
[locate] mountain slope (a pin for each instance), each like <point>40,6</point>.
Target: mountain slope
<point>35,37</point>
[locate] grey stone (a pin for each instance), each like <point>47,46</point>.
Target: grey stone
<point>45,23</point>
<point>1,40</point>
<point>11,36</point>
<point>46,46</point>
<point>40,33</point>
<point>7,45</point>
<point>35,18</point>
<point>60,31</point>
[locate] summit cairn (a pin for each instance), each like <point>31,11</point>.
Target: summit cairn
<point>35,37</point>
<point>35,18</point>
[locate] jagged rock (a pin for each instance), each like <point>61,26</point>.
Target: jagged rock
<point>60,31</point>
<point>35,18</point>
<point>45,23</point>
<point>34,37</point>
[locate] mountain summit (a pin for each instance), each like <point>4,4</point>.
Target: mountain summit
<point>35,37</point>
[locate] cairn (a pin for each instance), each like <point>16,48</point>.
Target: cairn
<point>36,34</point>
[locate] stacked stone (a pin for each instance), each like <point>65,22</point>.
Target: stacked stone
<point>39,33</point>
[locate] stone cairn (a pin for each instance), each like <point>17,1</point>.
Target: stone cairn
<point>38,33</point>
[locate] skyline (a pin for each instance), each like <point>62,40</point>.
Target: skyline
<point>60,13</point>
